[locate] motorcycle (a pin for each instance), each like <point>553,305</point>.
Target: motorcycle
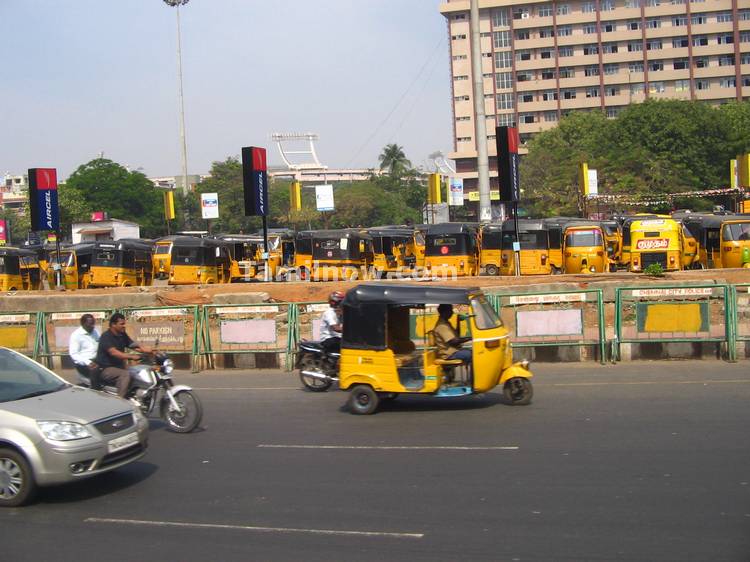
<point>318,368</point>
<point>151,384</point>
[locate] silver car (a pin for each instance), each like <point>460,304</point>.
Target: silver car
<point>52,432</point>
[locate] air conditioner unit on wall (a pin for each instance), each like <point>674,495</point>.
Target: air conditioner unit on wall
<point>524,15</point>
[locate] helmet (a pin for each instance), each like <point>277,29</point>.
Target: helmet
<point>336,297</point>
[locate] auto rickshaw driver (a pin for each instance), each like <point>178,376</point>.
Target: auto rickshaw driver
<point>447,340</point>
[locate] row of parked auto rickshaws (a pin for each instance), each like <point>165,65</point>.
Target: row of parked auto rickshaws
<point>545,246</point>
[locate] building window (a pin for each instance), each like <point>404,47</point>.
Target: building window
<point>681,85</point>
<point>503,80</point>
<point>564,30</point>
<point>549,95</point>
<point>655,87</point>
<point>633,25</point>
<point>457,37</point>
<point>463,118</point>
<point>610,69</point>
<point>501,39</point>
<point>592,92</point>
<point>523,55</point>
<point>728,82</point>
<point>547,54</point>
<point>635,67</point>
<point>653,3</point>
<point>591,70</point>
<point>612,112</point>
<point>726,60</point>
<point>524,76</point>
<point>459,17</point>
<point>653,23</point>
<point>588,7</point>
<point>461,77</point>
<point>565,52</point>
<point>548,74</point>
<point>526,98</point>
<point>745,58</point>
<point>745,37</point>
<point>504,101</point>
<point>500,18</point>
<point>546,32</point>
<point>679,21</point>
<point>656,66</point>
<point>459,57</point>
<point>563,9</point>
<point>610,91</point>
<point>461,98</point>
<point>569,72</point>
<point>698,19</point>
<point>725,39</point>
<point>636,89</point>
<point>701,85</point>
<point>589,28</point>
<point>550,116</point>
<point>506,119</point>
<point>607,5</point>
<point>544,11</point>
<point>700,62</point>
<point>609,27</point>
<point>527,118</point>
<point>609,48</point>
<point>679,42</point>
<point>590,49</point>
<point>653,44</point>
<point>503,59</point>
<point>520,13</point>
<point>700,40</point>
<point>745,81</point>
<point>681,64</point>
<point>635,46</point>
<point>632,4</point>
<point>723,17</point>
<point>568,94</point>
<point>463,139</point>
<point>744,15</point>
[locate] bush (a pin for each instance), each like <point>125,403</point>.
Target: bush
<point>654,270</point>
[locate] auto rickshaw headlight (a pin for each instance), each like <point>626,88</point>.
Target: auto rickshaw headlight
<point>592,269</point>
<point>671,259</point>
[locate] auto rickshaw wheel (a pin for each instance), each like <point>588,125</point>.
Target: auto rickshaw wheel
<point>491,269</point>
<point>363,400</point>
<point>518,391</point>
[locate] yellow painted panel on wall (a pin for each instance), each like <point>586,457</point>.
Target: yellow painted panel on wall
<point>674,318</point>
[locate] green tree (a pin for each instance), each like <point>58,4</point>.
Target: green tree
<point>105,185</point>
<point>737,115</point>
<point>394,160</point>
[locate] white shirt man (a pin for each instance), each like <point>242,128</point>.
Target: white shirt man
<point>84,343</point>
<point>329,319</point>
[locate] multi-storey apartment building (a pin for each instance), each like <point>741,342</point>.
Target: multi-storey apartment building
<point>542,60</point>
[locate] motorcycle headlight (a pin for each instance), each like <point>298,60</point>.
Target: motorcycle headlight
<point>167,366</point>
<point>137,415</point>
<point>62,430</point>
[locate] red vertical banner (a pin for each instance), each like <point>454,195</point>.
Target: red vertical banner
<point>3,232</point>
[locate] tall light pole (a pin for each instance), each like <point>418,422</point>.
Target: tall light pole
<point>181,103</point>
<point>480,123</point>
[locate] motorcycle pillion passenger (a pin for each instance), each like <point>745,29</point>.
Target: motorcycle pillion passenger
<point>447,340</point>
<point>330,328</point>
<point>111,356</point>
<point>82,348</point>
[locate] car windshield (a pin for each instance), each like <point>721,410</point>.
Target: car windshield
<point>21,378</point>
<point>484,315</point>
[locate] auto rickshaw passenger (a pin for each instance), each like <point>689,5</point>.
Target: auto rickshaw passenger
<point>447,340</point>
<point>330,328</point>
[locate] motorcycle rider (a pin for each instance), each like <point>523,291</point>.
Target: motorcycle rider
<point>111,356</point>
<point>82,348</point>
<point>331,324</point>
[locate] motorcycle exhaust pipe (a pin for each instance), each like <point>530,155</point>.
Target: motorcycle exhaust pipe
<point>317,375</point>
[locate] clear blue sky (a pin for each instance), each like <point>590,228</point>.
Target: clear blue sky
<point>81,77</point>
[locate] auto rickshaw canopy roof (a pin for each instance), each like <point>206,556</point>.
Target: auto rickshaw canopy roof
<point>406,295</point>
<point>452,228</point>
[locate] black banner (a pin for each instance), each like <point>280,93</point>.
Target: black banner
<point>506,139</point>
<point>255,181</point>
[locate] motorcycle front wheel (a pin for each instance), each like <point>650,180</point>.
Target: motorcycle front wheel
<point>185,418</point>
<point>313,384</point>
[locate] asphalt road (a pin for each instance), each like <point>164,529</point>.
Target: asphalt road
<point>639,461</point>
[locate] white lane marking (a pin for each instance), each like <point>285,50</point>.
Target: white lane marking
<point>389,447</point>
<point>247,388</point>
<point>254,528</point>
<point>634,383</point>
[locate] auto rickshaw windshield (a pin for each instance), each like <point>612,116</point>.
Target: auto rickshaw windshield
<point>485,316</point>
<point>581,238</point>
<point>737,231</point>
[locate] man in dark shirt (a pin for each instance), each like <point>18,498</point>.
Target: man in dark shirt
<point>111,356</point>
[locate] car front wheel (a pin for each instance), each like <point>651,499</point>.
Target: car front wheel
<point>17,485</point>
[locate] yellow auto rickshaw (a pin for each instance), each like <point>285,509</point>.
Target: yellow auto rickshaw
<point>613,238</point>
<point>489,255</point>
<point>452,249</point>
<point>379,360</point>
<point>31,271</point>
<point>393,250</point>
<point>555,227</point>
<point>245,251</point>
<point>584,249</point>
<point>723,240</point>
<point>201,261</point>
<point>162,257</point>
<point>534,248</point>
<point>335,254</point>
<point>627,222</point>
<point>10,270</point>
<point>656,241</point>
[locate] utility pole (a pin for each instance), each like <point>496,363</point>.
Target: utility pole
<point>480,121</point>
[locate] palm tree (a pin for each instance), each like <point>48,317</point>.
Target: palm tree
<point>394,160</point>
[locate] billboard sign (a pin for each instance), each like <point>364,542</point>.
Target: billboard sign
<point>506,139</point>
<point>210,205</point>
<point>456,192</point>
<point>255,181</point>
<point>3,232</point>
<point>45,213</point>
<point>324,197</point>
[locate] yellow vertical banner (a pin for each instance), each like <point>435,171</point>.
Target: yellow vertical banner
<point>169,205</point>
<point>733,179</point>
<point>295,196</point>
<point>583,178</point>
<point>743,165</point>
<point>434,183</point>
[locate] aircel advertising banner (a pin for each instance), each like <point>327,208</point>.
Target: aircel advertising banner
<point>45,213</point>
<point>255,181</point>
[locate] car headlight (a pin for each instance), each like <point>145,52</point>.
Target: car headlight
<point>63,431</point>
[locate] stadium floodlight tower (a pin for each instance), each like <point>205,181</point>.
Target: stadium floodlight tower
<point>291,157</point>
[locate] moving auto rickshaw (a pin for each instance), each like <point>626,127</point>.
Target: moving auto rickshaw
<point>10,270</point>
<point>392,249</point>
<point>656,241</point>
<point>199,261</point>
<point>121,263</point>
<point>723,240</point>
<point>379,360</point>
<point>335,254</point>
<point>584,249</point>
<point>452,249</point>
<point>534,252</point>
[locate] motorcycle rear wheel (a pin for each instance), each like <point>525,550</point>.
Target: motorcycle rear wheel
<point>313,384</point>
<point>187,418</point>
